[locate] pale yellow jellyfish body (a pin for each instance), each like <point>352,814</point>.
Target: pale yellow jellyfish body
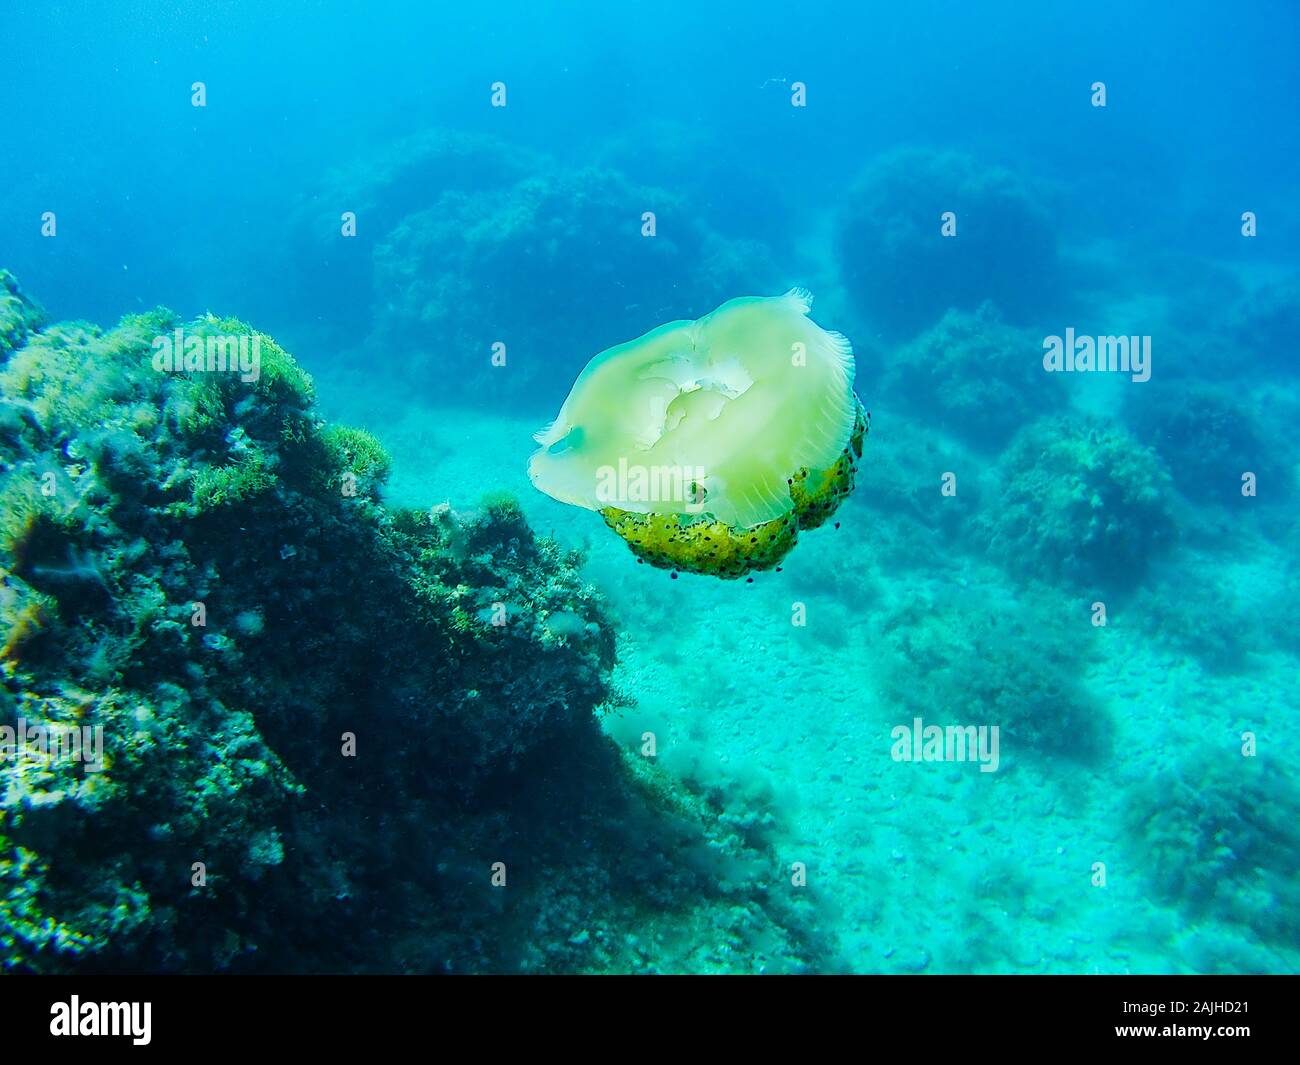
<point>709,444</point>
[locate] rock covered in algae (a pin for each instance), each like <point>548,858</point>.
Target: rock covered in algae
<point>200,571</point>
<point>709,445</point>
<point>310,710</point>
<point>902,276</point>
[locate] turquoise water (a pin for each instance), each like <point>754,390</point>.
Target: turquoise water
<point>1101,564</point>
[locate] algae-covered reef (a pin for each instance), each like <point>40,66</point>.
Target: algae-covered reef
<point>335,736</point>
<point>472,257</point>
<point>902,279</point>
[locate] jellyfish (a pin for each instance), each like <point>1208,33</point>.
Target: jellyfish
<point>710,445</point>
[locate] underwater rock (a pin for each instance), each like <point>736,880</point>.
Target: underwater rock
<point>1266,321</point>
<point>1017,666</point>
<point>1213,619</point>
<point>903,274</point>
<point>1082,502</point>
<point>322,720</point>
<point>1208,441</point>
<point>683,156</point>
<point>973,376</point>
<point>904,516</point>
<point>513,272</point>
<point>1216,832</point>
<point>331,275</point>
<point>709,445</point>
<point>19,316</point>
<point>464,252</point>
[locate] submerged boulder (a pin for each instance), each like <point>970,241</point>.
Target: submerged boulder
<point>903,272</point>
<point>1082,503</point>
<point>481,288</point>
<point>253,719</point>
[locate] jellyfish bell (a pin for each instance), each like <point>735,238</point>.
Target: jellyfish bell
<point>708,445</point>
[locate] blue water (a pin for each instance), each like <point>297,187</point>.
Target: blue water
<point>1143,813</point>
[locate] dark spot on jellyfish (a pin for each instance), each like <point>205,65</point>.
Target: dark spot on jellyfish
<point>749,580</point>
<point>837,525</point>
<point>779,568</point>
<point>674,575</point>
